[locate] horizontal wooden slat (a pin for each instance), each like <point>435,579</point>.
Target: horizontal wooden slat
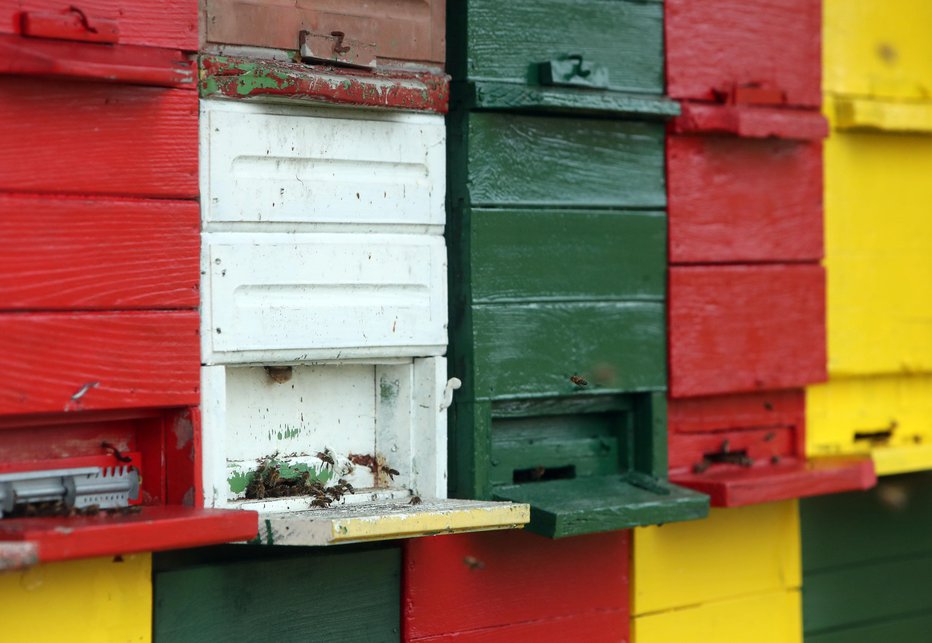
<point>904,627</point>
<point>97,253</point>
<point>854,529</point>
<point>534,349</point>
<point>167,23</point>
<point>744,411</point>
<point>559,255</point>
<point>505,41</point>
<point>746,328</point>
<point>54,362</point>
<point>562,161</point>
<point>97,138</point>
<point>466,587</point>
<point>688,449</point>
<point>715,45</point>
<point>739,200</point>
<point>345,595</point>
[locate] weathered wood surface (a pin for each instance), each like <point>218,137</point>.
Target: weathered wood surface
<point>499,587</point>
<point>506,41</point>
<point>738,200</point>
<point>746,328</point>
<point>98,139</point>
<point>293,595</point>
<point>167,23</point>
<point>715,45</point>
<point>93,253</point>
<point>55,362</point>
<point>783,408</point>
<point>402,30</point>
<point>560,161</point>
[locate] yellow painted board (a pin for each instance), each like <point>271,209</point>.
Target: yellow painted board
<point>95,600</point>
<point>878,236</point>
<point>353,523</point>
<point>734,552</point>
<point>883,115</point>
<point>877,48</point>
<point>774,617</point>
<point>841,408</point>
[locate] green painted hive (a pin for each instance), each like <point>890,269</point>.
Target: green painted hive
<point>556,233</point>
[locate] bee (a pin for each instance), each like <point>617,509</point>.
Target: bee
<point>391,472</point>
<point>538,472</point>
<point>346,486</point>
<point>326,456</point>
<point>415,500</point>
<point>770,437</point>
<point>579,381</point>
<point>116,452</point>
<point>321,501</point>
<point>726,446</point>
<point>473,563</point>
<point>774,459</point>
<point>701,467</point>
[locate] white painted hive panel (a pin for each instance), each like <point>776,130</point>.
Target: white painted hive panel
<point>267,163</point>
<point>323,296</point>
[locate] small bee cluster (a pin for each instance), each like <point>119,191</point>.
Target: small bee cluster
<point>375,464</point>
<point>269,481</point>
<point>726,456</point>
<point>62,509</point>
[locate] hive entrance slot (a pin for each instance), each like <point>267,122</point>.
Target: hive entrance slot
<point>540,474</point>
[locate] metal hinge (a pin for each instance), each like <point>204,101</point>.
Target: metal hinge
<point>106,487</point>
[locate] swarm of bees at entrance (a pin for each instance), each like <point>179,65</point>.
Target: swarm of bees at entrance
<point>61,508</point>
<point>267,482</point>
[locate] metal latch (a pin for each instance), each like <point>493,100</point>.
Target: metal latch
<point>336,48</point>
<point>106,487</point>
<point>71,24</point>
<point>750,94</point>
<point>573,71</point>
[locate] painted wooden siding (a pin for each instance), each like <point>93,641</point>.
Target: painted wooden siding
<point>98,600</point>
<point>501,587</point>
<point>866,563</point>
<point>732,577</point>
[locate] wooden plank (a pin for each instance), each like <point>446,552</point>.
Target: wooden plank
<point>738,200</point>
<point>744,411</point>
<point>297,165</point>
<point>170,23</point>
<point>886,116</point>
<point>349,594</point>
<point>866,593</point>
<point>411,31</point>
<point>734,486</point>
<point>54,362</point>
<point>534,349</point>
<point>760,445</point>
<point>294,295</point>
<point>524,255</point>
<point>115,140</point>
<point>879,50</point>
<point>856,529</point>
<point>547,160</point>
<point>507,41</point>
<point>97,253</point>
<point>750,121</point>
<point>714,46</point>
<point>561,508</point>
<point>746,328</point>
<point>876,323</point>
<point>94,599</point>
<point>912,627</point>
<point>154,528</point>
<point>733,553</point>
<point>887,416</point>
<point>487,587</point>
<point>773,617</point>
<point>589,626</point>
<point>490,94</point>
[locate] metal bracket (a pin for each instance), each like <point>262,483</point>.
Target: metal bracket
<point>335,48</point>
<point>573,71</point>
<point>106,487</point>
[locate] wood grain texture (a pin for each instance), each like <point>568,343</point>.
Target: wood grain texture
<point>751,121</point>
<point>168,23</point>
<point>97,253</point>
<point>767,409</point>
<point>347,595</point>
<point>505,41</point>
<point>524,255</point>
<point>687,449</point>
<point>534,349</point>
<point>403,30</point>
<point>537,160</point>
<point>746,328</point>
<point>713,46</point>
<point>739,200</point>
<point>910,628</point>
<point>495,586</point>
<point>493,94</point>
<point>88,138</point>
<point>87,361</point>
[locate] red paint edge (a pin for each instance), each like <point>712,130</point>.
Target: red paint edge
<point>750,122</point>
